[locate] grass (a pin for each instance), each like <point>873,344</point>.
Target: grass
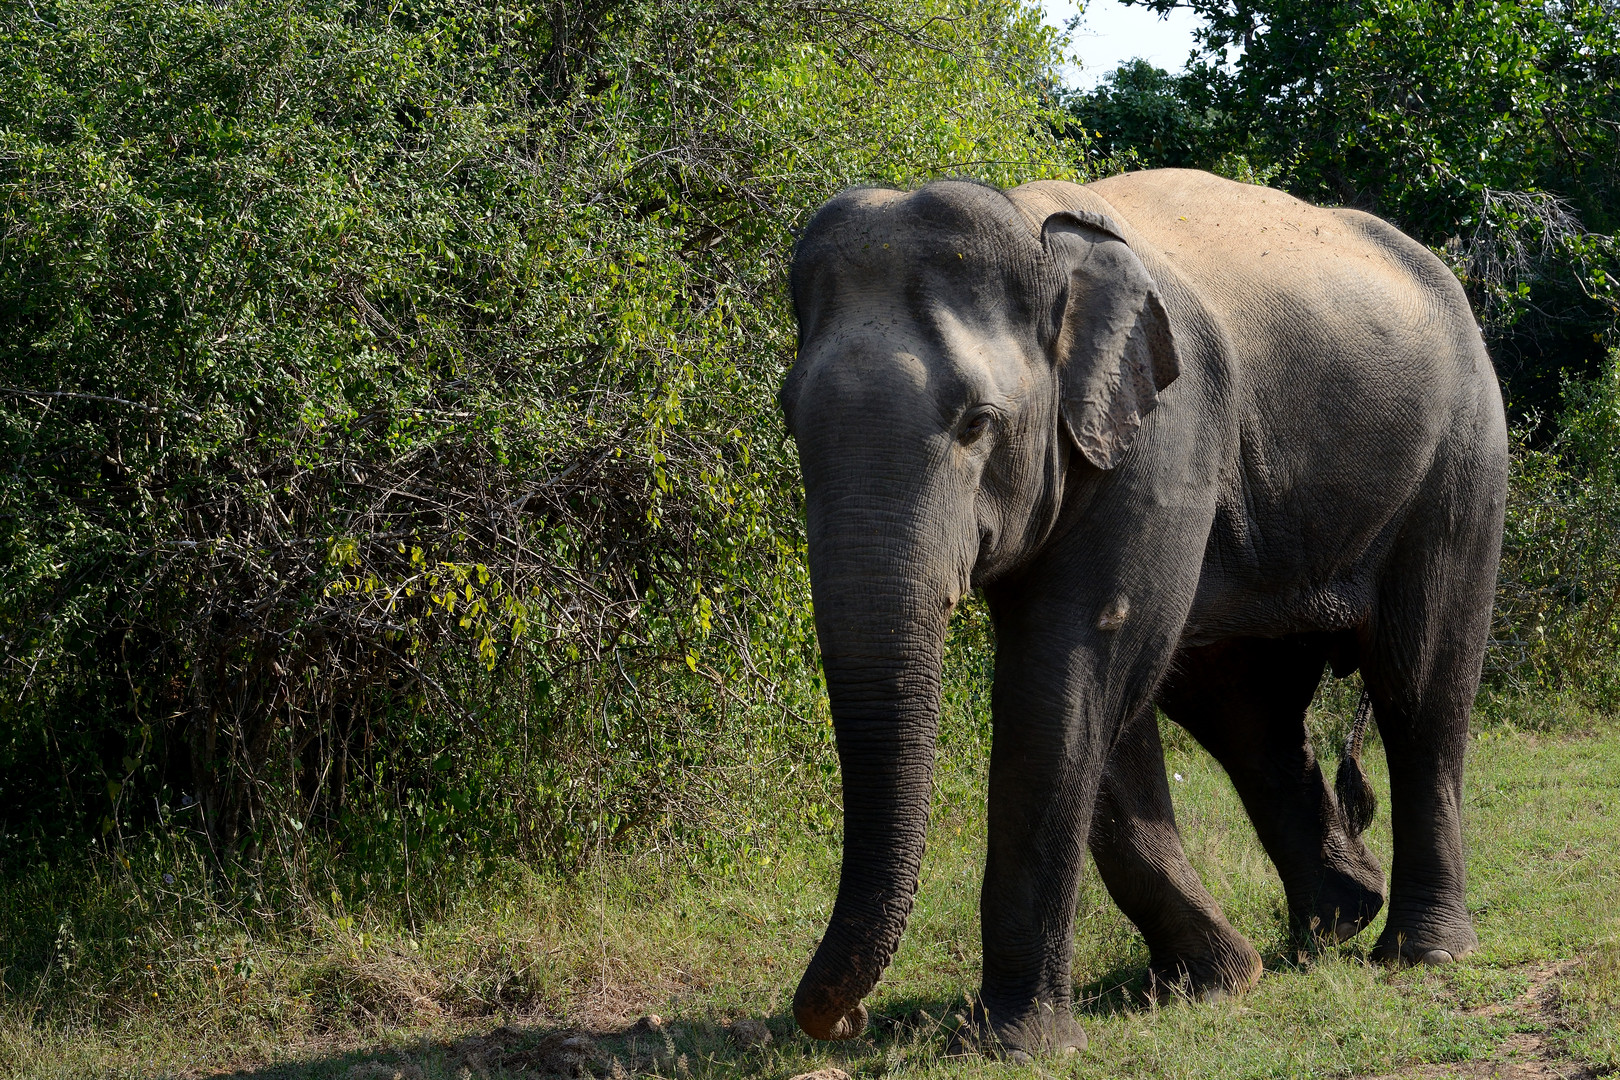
<point>360,994</point>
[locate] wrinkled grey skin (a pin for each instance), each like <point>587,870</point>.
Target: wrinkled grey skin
<point>1196,441</point>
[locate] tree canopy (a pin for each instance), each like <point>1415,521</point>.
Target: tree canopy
<point>1489,130</point>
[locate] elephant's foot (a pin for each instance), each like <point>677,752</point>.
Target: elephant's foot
<point>1019,1036</point>
<point>1431,943</point>
<point>1345,903</point>
<point>1221,965</point>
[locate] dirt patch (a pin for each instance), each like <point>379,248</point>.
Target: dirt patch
<point>1523,1055</point>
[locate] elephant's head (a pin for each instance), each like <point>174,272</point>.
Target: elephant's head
<point>951,362</point>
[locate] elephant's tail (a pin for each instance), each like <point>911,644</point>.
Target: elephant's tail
<point>1355,795</point>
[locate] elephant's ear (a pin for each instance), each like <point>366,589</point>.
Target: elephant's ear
<point>1114,350</point>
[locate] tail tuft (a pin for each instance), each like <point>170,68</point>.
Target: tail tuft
<point>1355,795</point>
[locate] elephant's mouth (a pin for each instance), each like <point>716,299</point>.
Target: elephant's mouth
<point>987,548</point>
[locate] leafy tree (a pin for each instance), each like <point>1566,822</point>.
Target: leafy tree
<point>1558,603</point>
<point>1145,115</point>
<point>387,401</point>
<point>1490,130</point>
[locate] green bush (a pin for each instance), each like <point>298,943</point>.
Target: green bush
<point>1144,115</point>
<point>1558,605</point>
<point>387,395</point>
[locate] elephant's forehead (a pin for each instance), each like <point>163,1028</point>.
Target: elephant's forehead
<point>854,365</point>
<point>889,242</point>
<point>876,345</point>
<point>940,276</point>
<point>940,289</point>
<point>893,246</point>
<point>949,225</point>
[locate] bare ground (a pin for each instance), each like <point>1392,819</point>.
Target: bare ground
<point>1525,1054</point>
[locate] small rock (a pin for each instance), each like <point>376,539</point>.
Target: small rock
<point>469,1054</point>
<point>562,1053</point>
<point>472,1053</point>
<point>829,1073</point>
<point>749,1034</point>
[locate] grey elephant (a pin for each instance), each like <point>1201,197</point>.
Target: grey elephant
<point>1196,441</point>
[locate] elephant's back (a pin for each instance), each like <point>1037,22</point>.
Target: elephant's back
<point>1272,267</point>
<point>1319,310</point>
<point>1321,306</point>
<point>1256,251</point>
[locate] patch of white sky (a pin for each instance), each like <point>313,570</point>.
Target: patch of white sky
<point>1110,33</point>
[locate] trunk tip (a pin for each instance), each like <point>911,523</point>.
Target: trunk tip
<point>830,1026</point>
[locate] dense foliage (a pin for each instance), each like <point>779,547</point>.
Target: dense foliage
<point>387,397</point>
<point>392,472</point>
<point>1558,599</point>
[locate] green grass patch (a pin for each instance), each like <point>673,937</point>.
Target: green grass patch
<point>178,994</point>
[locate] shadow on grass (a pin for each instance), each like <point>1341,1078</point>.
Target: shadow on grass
<point>696,1049</point>
<point>1127,988</point>
<point>909,1026</point>
<point>1124,989</point>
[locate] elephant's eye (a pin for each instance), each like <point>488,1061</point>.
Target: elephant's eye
<point>976,424</point>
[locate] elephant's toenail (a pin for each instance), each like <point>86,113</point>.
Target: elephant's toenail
<point>1435,957</point>
<point>1018,1057</point>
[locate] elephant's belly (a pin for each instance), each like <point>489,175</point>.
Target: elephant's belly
<point>1228,608</point>
<point>1292,558</point>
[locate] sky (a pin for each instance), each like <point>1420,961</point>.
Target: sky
<point>1112,33</point>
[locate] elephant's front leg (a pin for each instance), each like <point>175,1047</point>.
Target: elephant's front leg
<point>1043,783</point>
<point>1063,688</point>
<point>1138,851</point>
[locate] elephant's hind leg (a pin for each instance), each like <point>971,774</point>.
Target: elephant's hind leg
<point>1244,700</point>
<point>1421,657</point>
<point>1134,841</point>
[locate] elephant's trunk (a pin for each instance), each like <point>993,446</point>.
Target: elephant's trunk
<point>882,639</point>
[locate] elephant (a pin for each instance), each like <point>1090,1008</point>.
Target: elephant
<point>1195,441</point>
